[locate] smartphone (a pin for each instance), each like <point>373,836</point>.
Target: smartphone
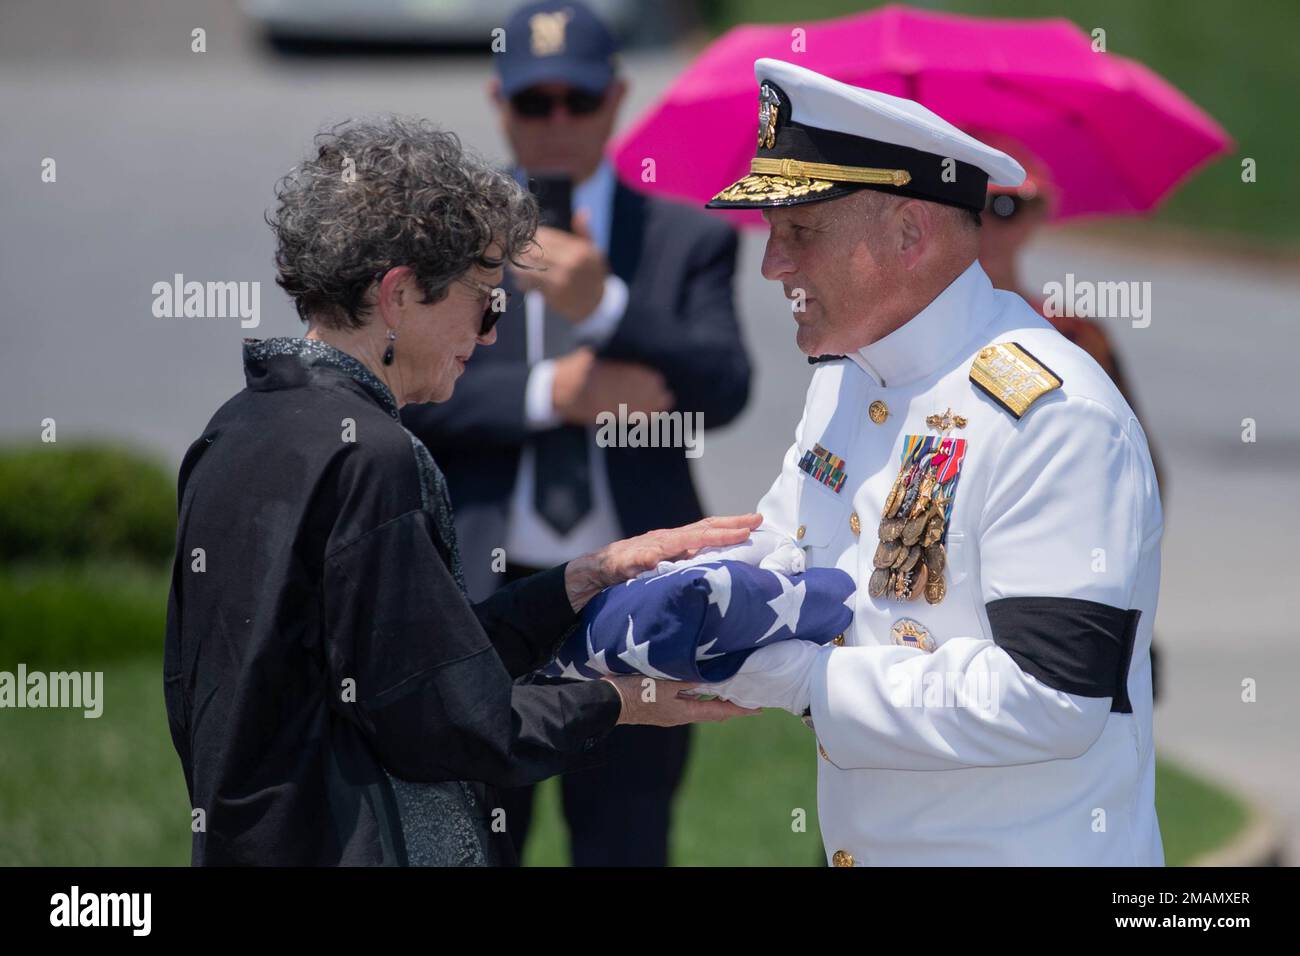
<point>555,199</point>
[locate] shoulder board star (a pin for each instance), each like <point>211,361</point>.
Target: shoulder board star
<point>1007,373</point>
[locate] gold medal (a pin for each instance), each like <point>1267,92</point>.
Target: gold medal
<point>891,529</point>
<point>913,530</point>
<point>912,557</point>
<point>933,529</point>
<point>878,582</point>
<point>923,495</point>
<point>899,557</point>
<point>935,589</point>
<point>895,496</point>
<point>919,583</point>
<point>935,558</point>
<point>886,554</point>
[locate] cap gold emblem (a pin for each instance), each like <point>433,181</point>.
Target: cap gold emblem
<point>769,105</point>
<point>547,32</point>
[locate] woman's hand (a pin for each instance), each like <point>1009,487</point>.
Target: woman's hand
<point>656,703</point>
<point>588,575</point>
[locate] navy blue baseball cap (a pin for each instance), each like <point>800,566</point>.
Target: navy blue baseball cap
<point>556,42</point>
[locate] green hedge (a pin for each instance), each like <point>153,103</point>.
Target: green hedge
<point>84,502</point>
<point>68,617</point>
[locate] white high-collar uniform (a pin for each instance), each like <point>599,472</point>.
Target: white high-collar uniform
<point>1056,517</point>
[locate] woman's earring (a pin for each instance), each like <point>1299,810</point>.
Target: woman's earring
<point>388,352</point>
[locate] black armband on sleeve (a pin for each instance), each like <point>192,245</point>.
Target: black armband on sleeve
<point>1071,645</point>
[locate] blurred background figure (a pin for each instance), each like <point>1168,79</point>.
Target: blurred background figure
<point>628,302</point>
<point>1012,218</point>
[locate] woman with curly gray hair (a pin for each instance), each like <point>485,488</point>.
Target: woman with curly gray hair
<point>332,694</point>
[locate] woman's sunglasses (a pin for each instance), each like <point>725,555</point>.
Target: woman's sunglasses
<point>490,314</point>
<point>534,104</point>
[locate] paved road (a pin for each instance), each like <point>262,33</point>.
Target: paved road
<point>166,160</point>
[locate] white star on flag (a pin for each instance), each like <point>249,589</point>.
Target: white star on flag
<point>596,661</point>
<point>569,670</point>
<point>637,656</point>
<point>702,652</point>
<point>719,581</point>
<point>787,605</point>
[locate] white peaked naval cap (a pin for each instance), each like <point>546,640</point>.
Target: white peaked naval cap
<point>820,139</point>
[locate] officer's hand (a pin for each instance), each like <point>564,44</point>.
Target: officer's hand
<point>584,386</point>
<point>567,269</point>
<point>656,703</point>
<point>588,575</point>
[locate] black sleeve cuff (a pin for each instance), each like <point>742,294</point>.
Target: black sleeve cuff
<point>594,707</point>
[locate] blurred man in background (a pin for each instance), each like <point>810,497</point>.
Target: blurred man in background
<point>631,307</point>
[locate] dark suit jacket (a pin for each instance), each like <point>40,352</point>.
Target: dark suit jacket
<point>678,264</point>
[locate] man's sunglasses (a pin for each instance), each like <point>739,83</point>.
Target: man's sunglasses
<point>1006,206</point>
<point>534,104</point>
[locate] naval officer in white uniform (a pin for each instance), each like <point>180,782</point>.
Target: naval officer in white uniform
<point>984,481</point>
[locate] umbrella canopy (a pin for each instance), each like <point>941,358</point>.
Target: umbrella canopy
<point>1114,136</point>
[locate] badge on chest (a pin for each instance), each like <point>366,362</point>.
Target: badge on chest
<point>910,557</point>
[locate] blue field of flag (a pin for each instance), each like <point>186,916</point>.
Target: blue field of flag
<point>699,623</point>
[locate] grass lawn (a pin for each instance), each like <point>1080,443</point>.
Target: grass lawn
<point>94,792</point>
<point>1235,62</point>
<point>745,777</point>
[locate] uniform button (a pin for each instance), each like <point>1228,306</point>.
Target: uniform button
<point>878,411</point>
<point>801,532</point>
<point>842,858</point>
<point>838,640</point>
<point>855,524</point>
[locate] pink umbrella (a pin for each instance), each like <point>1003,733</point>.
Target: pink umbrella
<point>1115,137</point>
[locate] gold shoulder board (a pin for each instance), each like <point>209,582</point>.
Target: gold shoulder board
<point>1007,373</point>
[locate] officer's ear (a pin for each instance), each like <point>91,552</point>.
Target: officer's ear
<point>913,227</point>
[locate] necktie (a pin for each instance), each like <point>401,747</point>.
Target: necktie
<point>561,456</point>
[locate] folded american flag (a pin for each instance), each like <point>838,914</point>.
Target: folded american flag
<point>700,622</point>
